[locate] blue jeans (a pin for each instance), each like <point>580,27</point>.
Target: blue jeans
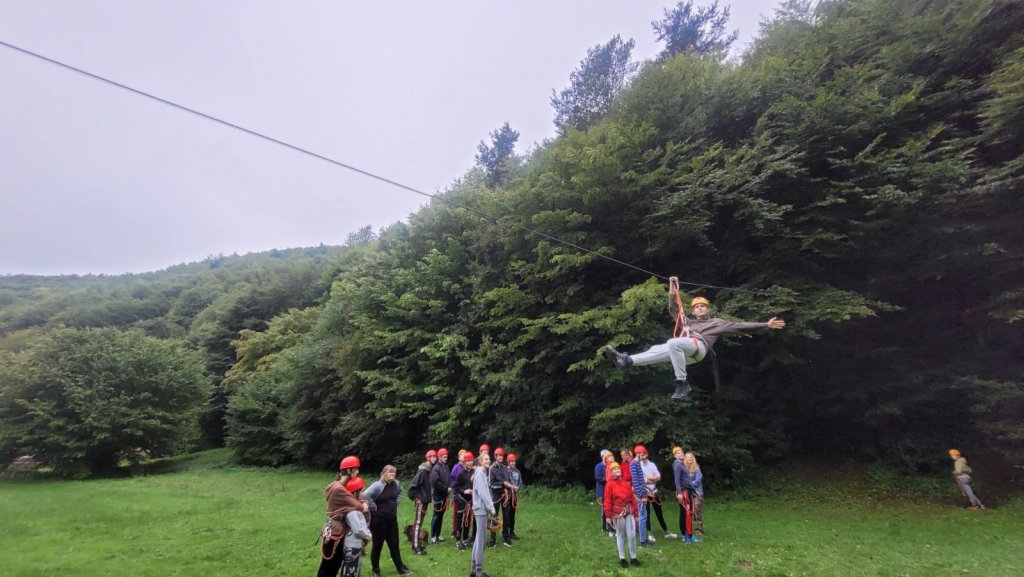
<point>643,522</point>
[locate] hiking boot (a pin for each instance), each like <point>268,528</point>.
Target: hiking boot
<point>635,562</point>
<point>620,360</point>
<point>682,389</point>
<point>623,563</point>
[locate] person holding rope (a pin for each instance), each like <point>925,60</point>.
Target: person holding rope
<point>462,497</point>
<point>683,496</point>
<point>651,476</point>
<point>340,502</point>
<point>620,511</point>
<point>440,483</point>
<point>696,479</point>
<point>515,477</point>
<point>420,494</point>
<point>456,520</point>
<point>691,339</point>
<point>501,484</point>
<point>962,474</point>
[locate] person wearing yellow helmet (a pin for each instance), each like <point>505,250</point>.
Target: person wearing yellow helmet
<point>697,337</point>
<point>962,474</point>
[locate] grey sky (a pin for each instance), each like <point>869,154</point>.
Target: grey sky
<point>94,179</point>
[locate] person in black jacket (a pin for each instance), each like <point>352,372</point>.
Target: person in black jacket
<point>419,493</point>
<point>382,497</point>
<point>500,485</point>
<point>462,497</point>
<point>440,482</point>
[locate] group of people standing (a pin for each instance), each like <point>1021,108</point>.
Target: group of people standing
<point>628,492</point>
<point>475,486</point>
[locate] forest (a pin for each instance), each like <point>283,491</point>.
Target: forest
<point>858,172</point>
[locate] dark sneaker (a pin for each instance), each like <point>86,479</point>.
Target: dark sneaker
<point>515,537</point>
<point>620,360</point>
<point>645,545</point>
<point>635,562</point>
<point>623,563</point>
<point>508,542</point>
<point>405,571</point>
<point>682,389</point>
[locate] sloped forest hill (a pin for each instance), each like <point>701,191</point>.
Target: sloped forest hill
<point>861,167</point>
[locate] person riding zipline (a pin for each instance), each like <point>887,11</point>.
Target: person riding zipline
<point>691,339</point>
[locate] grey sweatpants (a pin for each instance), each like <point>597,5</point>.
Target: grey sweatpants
<point>625,528</point>
<point>479,544</point>
<point>681,352</point>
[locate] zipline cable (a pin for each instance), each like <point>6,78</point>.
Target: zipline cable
<point>299,149</point>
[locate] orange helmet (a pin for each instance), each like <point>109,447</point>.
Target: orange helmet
<point>700,301</point>
<point>954,453</point>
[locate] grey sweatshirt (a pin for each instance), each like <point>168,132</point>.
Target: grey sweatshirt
<point>482,502</point>
<point>709,329</point>
<point>358,532</point>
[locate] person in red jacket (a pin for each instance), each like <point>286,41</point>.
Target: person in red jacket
<point>620,511</point>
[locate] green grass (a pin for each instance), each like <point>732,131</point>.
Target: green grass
<point>205,518</point>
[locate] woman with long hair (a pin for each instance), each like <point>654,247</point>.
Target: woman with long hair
<point>383,499</point>
<point>696,495</point>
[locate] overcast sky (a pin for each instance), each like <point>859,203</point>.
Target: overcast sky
<point>95,179</point>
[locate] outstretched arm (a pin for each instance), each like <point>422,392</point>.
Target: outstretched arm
<point>776,323</point>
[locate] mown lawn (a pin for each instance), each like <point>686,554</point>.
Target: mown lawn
<point>212,520</point>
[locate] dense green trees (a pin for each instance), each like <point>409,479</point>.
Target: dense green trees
<point>857,173</point>
<point>82,400</point>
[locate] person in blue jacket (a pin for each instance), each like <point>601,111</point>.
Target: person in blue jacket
<point>640,490</point>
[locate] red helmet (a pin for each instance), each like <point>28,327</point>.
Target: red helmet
<point>485,448</point>
<point>349,462</point>
<point>431,453</point>
<point>467,456</point>
<point>442,451</point>
<point>640,449</point>
<point>354,484</point>
<point>499,451</point>
<point>511,457</point>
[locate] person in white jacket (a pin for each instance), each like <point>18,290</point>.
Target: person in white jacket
<point>483,507</point>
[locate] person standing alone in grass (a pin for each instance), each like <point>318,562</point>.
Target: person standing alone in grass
<point>962,474</point>
<point>620,510</point>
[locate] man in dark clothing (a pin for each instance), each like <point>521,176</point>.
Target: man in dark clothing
<point>501,487</point>
<point>420,494</point>
<point>440,481</point>
<point>697,336</point>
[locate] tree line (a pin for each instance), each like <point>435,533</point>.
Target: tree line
<point>857,172</point>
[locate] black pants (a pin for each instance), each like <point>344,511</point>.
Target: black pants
<point>463,520</point>
<point>657,511</point>
<point>385,529</point>
<point>332,555</point>
<point>438,519</point>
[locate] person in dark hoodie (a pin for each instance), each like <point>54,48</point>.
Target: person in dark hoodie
<point>420,494</point>
<point>696,337</point>
<point>440,482</point>
<point>462,497</point>
<point>340,502</point>
<point>500,483</point>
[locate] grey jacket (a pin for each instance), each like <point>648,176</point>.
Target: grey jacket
<point>482,502</point>
<point>709,329</point>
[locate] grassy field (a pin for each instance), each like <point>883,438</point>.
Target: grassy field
<point>209,519</point>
